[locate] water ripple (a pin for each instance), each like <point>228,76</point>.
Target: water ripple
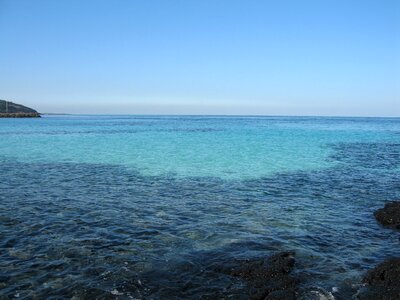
<point>83,230</point>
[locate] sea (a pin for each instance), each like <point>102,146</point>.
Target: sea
<point>156,207</point>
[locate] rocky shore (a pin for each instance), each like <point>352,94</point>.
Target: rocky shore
<point>270,279</point>
<point>383,281</point>
<point>273,278</point>
<point>20,115</point>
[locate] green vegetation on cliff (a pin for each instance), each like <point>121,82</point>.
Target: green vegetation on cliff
<point>14,110</point>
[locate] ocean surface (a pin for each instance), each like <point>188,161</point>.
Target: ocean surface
<point>154,207</point>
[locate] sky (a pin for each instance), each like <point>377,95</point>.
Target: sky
<point>321,57</point>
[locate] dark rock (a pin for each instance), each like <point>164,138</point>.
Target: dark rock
<point>269,279</point>
<point>20,115</point>
<point>382,282</point>
<point>389,215</point>
<point>387,274</point>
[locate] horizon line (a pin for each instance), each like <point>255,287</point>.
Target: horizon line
<point>217,115</point>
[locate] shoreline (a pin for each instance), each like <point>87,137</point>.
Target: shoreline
<point>20,115</point>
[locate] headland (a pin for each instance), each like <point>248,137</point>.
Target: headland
<point>10,109</point>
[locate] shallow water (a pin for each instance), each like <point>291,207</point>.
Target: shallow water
<point>157,207</point>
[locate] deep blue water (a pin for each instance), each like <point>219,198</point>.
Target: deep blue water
<point>155,207</point>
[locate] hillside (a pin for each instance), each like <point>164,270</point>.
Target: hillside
<point>10,109</point>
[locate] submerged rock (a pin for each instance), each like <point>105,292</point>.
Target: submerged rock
<point>389,215</point>
<point>270,279</point>
<point>382,282</point>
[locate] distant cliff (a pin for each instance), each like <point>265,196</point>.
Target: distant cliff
<point>10,109</point>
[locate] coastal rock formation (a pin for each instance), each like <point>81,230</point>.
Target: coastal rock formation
<point>19,115</point>
<point>13,110</point>
<point>270,279</point>
<point>389,216</point>
<point>382,282</point>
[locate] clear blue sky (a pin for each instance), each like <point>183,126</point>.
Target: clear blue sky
<point>322,57</point>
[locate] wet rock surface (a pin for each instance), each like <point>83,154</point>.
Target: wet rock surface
<point>389,216</point>
<point>270,278</point>
<point>382,282</point>
<point>317,294</point>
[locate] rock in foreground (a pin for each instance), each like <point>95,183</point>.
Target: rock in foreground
<point>270,279</point>
<point>382,282</point>
<point>389,215</point>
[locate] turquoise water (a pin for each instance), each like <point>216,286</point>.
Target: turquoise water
<point>135,206</point>
<point>224,147</point>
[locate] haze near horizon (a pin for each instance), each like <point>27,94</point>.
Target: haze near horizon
<point>202,57</point>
